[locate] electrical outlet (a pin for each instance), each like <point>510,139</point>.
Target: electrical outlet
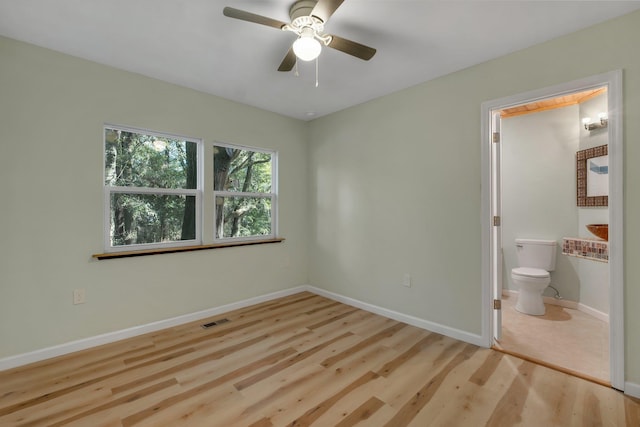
<point>79,296</point>
<point>407,280</point>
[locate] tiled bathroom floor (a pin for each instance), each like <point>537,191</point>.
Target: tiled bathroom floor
<point>563,337</point>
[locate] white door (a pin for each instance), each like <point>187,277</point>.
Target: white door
<point>496,234</point>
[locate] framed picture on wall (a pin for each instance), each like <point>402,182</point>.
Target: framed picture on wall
<point>592,171</point>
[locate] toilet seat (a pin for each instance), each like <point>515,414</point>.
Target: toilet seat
<point>530,273</point>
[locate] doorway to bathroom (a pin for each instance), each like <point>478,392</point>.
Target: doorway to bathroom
<point>532,148</point>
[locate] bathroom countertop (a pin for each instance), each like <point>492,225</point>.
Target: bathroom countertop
<point>589,239</point>
<point>588,248</point>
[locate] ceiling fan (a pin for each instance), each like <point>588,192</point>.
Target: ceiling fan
<point>307,22</point>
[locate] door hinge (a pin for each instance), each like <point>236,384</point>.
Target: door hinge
<point>496,220</point>
<point>496,137</point>
<point>497,304</point>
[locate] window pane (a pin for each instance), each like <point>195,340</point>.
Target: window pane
<point>241,170</point>
<point>150,218</point>
<point>138,160</point>
<point>243,216</point>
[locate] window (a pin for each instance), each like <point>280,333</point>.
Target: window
<point>152,189</point>
<point>244,192</point>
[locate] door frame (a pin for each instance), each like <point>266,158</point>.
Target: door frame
<point>490,251</point>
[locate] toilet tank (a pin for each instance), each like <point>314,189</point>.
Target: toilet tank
<point>536,253</point>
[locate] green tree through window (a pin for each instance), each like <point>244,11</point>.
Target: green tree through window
<point>244,192</point>
<point>152,186</point>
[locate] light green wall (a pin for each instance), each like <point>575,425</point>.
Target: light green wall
<point>52,109</point>
<point>395,182</point>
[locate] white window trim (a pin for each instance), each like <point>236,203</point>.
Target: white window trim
<point>108,190</point>
<point>273,195</point>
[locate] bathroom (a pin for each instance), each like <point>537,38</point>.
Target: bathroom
<point>539,201</point>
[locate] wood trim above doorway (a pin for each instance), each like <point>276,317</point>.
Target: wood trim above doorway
<point>552,103</point>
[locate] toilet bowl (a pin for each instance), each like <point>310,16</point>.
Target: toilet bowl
<point>536,258</point>
<point>531,282</point>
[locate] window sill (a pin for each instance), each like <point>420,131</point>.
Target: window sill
<point>129,254</point>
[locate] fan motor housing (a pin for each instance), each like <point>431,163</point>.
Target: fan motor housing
<point>301,8</point>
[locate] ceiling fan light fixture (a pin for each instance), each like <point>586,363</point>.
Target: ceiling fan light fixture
<point>307,23</point>
<point>307,47</point>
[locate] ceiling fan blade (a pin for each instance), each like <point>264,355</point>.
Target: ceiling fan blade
<point>252,17</point>
<point>325,8</point>
<point>352,48</point>
<point>288,62</point>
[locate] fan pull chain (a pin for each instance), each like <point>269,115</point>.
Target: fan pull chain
<point>296,73</point>
<point>316,72</point>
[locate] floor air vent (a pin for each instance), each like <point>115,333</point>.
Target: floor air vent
<point>215,323</point>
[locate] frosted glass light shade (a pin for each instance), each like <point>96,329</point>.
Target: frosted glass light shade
<point>307,48</point>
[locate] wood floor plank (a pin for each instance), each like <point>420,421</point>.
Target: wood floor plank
<point>361,413</point>
<point>243,358</point>
<point>352,402</point>
<point>129,398</point>
<point>554,406</point>
<point>404,339</point>
<point>403,383</point>
<point>49,409</point>
<point>190,342</point>
<point>285,403</point>
<point>400,360</point>
<point>592,415</point>
<point>314,413</point>
<point>278,398</point>
<point>487,369</point>
<point>207,358</point>
<point>287,363</point>
<point>460,401</point>
<point>632,411</point>
<point>227,378</point>
<point>509,408</point>
<point>282,390</point>
<point>263,422</point>
<point>200,409</point>
<point>296,361</point>
<point>332,319</point>
<point>411,408</point>
<point>372,340</point>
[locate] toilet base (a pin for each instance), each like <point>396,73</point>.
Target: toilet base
<point>530,302</point>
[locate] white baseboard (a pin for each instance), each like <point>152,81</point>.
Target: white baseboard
<point>82,344</point>
<point>411,320</point>
<point>567,304</point>
<point>632,389</point>
<point>593,312</point>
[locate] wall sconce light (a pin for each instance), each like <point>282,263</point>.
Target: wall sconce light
<point>602,123</point>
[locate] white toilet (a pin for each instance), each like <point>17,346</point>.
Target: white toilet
<point>536,258</point>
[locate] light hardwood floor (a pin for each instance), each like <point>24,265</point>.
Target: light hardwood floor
<point>297,361</point>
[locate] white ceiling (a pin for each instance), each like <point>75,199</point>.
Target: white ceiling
<point>190,42</point>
